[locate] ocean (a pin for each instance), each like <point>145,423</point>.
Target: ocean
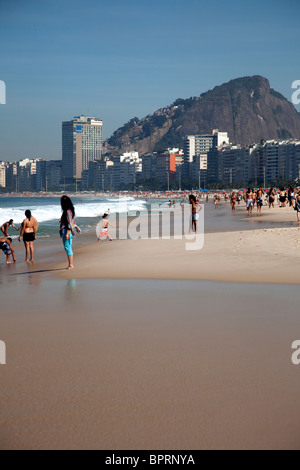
<point>89,211</point>
<point>47,211</point>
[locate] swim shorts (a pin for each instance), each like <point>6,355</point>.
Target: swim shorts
<point>28,237</point>
<point>67,243</point>
<point>6,249</point>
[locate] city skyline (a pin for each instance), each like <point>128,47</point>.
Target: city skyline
<point>116,61</point>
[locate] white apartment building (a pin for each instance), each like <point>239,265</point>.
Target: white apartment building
<point>3,175</point>
<point>81,144</point>
<point>195,145</point>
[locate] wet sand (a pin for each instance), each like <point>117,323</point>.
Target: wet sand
<point>167,365</point>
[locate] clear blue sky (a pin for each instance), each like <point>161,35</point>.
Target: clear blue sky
<point>116,59</point>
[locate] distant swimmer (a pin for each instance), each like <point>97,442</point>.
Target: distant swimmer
<point>4,228</point>
<point>104,227</point>
<point>28,233</point>
<point>6,247</point>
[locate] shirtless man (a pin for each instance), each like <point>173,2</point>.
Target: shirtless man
<point>249,201</point>
<point>195,216</point>
<point>5,226</point>
<point>28,232</point>
<point>259,202</point>
<point>6,247</point>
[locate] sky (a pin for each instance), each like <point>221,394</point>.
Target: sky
<point>117,59</point>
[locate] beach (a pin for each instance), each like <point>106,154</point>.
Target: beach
<point>145,345</point>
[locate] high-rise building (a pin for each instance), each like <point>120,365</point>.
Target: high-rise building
<point>195,145</point>
<point>3,167</point>
<point>149,165</point>
<point>81,144</point>
<point>235,164</point>
<point>167,164</point>
<point>48,174</point>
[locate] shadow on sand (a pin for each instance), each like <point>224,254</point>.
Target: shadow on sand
<point>39,271</point>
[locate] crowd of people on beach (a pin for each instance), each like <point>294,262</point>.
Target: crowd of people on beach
<point>68,227</point>
<point>260,197</point>
<point>28,230</point>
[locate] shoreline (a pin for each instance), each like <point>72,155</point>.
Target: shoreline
<point>237,248</point>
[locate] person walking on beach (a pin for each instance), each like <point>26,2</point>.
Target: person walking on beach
<point>4,228</point>
<point>6,247</point>
<point>259,201</point>
<point>297,206</point>
<point>104,227</point>
<point>28,233</point>
<point>254,198</point>
<point>282,197</point>
<point>271,195</point>
<point>290,196</point>
<point>233,201</point>
<point>249,201</point>
<point>195,215</point>
<point>67,228</point>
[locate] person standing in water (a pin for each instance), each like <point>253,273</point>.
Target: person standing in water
<point>28,233</point>
<point>67,228</point>
<point>6,247</point>
<point>4,228</point>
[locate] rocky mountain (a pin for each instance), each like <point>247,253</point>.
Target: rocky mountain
<point>247,108</point>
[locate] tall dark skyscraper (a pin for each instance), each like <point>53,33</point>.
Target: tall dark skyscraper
<point>81,144</point>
